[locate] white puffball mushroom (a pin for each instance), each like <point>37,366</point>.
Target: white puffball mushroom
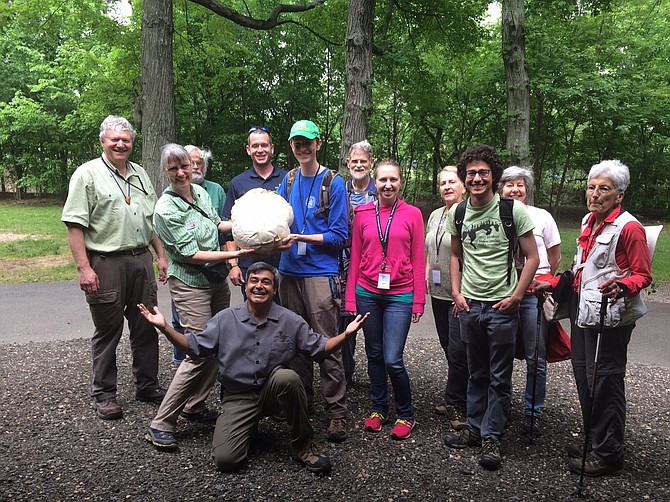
<point>261,219</point>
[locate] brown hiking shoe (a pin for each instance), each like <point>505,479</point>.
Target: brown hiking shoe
<point>466,437</point>
<point>337,430</point>
<point>108,409</point>
<point>594,467</point>
<point>456,417</point>
<point>313,458</point>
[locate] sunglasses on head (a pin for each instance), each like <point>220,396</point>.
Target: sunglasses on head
<point>258,128</point>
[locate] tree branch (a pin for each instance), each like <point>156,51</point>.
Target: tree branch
<point>257,24</point>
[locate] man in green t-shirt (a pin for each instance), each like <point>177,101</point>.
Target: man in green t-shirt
<point>487,299</point>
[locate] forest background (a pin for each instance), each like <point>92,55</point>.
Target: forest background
<point>599,81</point>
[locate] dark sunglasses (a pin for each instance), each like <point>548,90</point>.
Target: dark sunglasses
<point>258,128</point>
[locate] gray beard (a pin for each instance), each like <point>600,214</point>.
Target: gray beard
<point>197,179</point>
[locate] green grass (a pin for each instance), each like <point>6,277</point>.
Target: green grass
<point>660,267</point>
<point>48,238</point>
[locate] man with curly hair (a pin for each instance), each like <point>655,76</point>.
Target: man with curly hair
<point>487,298</point>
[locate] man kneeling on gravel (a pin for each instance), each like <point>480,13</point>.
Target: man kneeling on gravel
<point>254,342</point>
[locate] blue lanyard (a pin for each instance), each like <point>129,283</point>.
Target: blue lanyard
<point>304,209</point>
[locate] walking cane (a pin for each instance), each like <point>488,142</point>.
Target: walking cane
<point>587,425</point>
<point>535,359</point>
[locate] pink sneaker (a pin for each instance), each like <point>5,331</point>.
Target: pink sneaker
<point>375,421</point>
<point>403,428</point>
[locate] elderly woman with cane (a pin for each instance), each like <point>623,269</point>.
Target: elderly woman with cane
<point>612,267</point>
<point>517,183</point>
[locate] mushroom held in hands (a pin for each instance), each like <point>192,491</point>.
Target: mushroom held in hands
<point>261,219</point>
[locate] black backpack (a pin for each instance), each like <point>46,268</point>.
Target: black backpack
<point>324,198</point>
<point>514,256</point>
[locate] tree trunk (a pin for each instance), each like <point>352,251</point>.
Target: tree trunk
<point>157,119</point>
<point>358,71</point>
<point>518,88</point>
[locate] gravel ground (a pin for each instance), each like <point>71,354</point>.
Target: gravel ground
<point>53,447</point>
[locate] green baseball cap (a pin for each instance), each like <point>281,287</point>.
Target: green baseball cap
<point>305,128</point>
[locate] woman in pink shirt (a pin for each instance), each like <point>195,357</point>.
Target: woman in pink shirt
<point>387,279</point>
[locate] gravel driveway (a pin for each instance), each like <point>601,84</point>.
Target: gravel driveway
<point>54,448</point>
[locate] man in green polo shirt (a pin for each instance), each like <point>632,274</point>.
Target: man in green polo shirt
<point>108,214</point>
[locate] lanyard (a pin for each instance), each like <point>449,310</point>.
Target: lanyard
<point>384,237</point>
<point>304,209</point>
<point>438,242</point>
<point>115,173</point>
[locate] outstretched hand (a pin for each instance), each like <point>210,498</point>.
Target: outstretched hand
<point>356,323</point>
<point>157,319</point>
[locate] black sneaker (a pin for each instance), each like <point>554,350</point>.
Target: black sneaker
<point>531,426</point>
<point>312,458</point>
<point>204,416</point>
<point>490,458</point>
<point>466,437</point>
<point>594,467</point>
<point>151,396</point>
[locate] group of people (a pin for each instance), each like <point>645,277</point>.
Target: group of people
<point>338,276</point>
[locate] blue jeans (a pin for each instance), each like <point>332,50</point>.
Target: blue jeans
<point>385,335</point>
<point>489,336</point>
<point>528,314</point>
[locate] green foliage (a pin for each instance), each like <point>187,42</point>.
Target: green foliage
<point>599,87</point>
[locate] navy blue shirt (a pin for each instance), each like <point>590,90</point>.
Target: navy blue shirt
<point>240,185</point>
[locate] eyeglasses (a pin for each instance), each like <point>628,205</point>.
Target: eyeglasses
<point>483,173</point>
<point>258,128</point>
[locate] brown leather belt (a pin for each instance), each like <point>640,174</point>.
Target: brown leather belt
<point>133,252</point>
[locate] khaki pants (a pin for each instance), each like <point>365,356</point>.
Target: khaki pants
<point>242,412</point>
<point>194,378</point>
<point>312,298</point>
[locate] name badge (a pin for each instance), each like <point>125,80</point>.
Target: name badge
<point>191,225</point>
<point>436,275</point>
<point>302,248</point>
<point>384,281</point>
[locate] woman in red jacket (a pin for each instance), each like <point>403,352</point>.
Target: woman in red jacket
<point>387,279</point>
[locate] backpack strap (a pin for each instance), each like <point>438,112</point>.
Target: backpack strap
<point>460,216</point>
<point>324,193</point>
<point>507,219</point>
<point>290,178</point>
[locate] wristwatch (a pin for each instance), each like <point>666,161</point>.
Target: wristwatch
<point>231,264</point>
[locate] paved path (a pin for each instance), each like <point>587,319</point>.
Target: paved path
<point>36,312</point>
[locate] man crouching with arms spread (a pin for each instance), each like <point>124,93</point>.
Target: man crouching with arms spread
<point>254,342</point>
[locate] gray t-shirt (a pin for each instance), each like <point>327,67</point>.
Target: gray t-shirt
<point>248,351</point>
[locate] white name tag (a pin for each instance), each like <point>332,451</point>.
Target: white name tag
<point>436,275</point>
<point>302,248</point>
<point>384,281</point>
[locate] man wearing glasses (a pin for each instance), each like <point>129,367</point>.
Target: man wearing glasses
<point>263,173</point>
<point>487,299</point>
<point>108,214</point>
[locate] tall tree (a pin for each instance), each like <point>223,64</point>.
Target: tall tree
<point>155,113</point>
<point>518,87</point>
<point>358,71</point>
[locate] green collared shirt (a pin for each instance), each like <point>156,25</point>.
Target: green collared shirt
<point>184,232</point>
<point>97,201</point>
